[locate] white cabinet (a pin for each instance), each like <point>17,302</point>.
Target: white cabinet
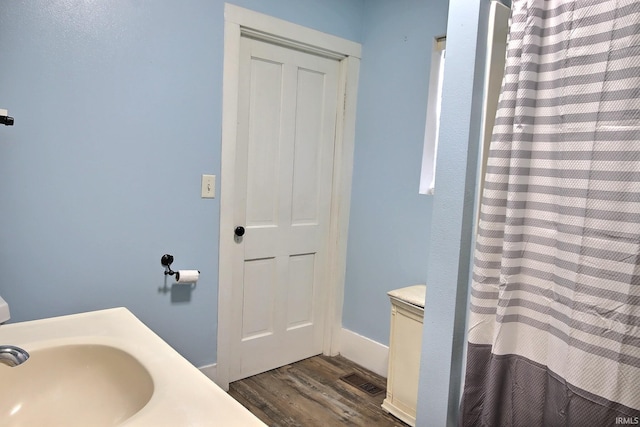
<point>407,313</point>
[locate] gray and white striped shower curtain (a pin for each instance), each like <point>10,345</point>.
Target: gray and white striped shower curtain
<point>554,327</point>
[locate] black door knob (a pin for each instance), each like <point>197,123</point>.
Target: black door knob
<point>239,231</point>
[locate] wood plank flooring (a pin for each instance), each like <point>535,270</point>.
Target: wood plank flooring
<point>310,393</point>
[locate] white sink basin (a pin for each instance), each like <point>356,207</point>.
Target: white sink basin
<point>74,385</point>
<point>106,368</point>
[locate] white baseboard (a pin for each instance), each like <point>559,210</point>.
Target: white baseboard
<point>359,349</point>
<point>365,352</point>
<point>211,371</point>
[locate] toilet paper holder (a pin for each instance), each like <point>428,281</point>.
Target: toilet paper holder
<point>166,262</point>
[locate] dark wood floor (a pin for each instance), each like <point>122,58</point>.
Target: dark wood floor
<point>310,393</point>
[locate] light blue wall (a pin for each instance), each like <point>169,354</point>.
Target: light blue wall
<point>117,108</point>
<point>118,113</point>
<point>452,224</point>
<point>389,227</point>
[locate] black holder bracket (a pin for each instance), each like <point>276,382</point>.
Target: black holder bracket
<point>166,262</point>
<point>6,120</point>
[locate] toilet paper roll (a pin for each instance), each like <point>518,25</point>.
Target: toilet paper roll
<point>187,276</point>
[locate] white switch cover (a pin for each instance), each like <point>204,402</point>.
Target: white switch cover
<point>208,186</point>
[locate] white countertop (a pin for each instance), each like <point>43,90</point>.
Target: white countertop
<point>415,294</point>
<point>182,395</point>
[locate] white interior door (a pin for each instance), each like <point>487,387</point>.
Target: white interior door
<point>287,103</point>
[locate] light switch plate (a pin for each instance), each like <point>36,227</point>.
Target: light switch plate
<point>208,190</point>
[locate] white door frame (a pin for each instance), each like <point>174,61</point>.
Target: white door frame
<point>239,21</point>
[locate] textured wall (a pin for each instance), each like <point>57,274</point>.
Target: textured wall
<point>390,222</point>
<point>453,215</point>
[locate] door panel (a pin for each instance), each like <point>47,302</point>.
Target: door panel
<point>300,290</point>
<point>307,148</point>
<point>263,139</point>
<point>284,164</point>
<point>259,298</point>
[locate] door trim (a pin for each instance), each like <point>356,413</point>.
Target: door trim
<point>238,22</point>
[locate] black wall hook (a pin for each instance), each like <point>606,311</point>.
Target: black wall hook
<point>5,119</point>
<point>166,261</point>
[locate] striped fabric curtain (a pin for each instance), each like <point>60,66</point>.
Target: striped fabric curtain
<point>554,326</point>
